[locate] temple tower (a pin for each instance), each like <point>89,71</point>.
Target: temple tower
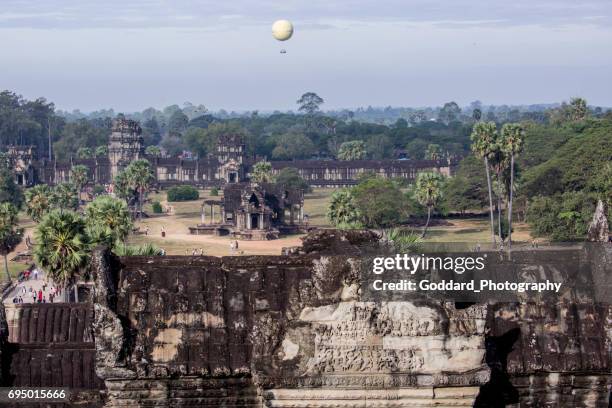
<point>231,152</point>
<point>125,144</point>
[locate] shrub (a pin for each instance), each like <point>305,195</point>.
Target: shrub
<point>157,208</point>
<point>183,193</point>
<point>214,192</point>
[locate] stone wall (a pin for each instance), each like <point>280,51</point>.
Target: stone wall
<point>295,331</point>
<point>52,345</point>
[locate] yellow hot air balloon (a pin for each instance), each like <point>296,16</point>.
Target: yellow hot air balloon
<point>282,30</point>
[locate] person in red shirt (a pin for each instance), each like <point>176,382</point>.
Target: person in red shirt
<point>40,296</point>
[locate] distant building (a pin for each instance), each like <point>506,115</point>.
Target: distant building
<point>253,212</point>
<point>228,165</point>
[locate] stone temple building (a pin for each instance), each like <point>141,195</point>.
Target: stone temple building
<point>253,212</point>
<point>229,164</point>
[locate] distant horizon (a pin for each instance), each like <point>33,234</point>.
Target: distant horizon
<point>133,53</point>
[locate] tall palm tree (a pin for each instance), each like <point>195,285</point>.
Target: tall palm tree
<point>78,177</point>
<point>38,201</point>
<point>62,247</point>
<point>512,136</point>
<point>484,140</point>
<point>65,196</point>
<point>499,162</point>
<point>10,235</point>
<point>108,220</point>
<point>140,176</point>
<point>122,188</point>
<point>428,191</point>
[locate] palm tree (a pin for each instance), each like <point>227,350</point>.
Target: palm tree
<point>512,135</point>
<point>432,152</point>
<point>484,139</point>
<point>147,249</point>
<point>499,162</point>
<point>84,153</point>
<point>62,246</point>
<point>428,191</point>
<point>101,151</point>
<point>141,178</point>
<point>38,201</point>
<point>121,186</point>
<point>342,211</point>
<point>78,177</point>
<point>65,196</point>
<point>154,151</point>
<point>262,172</point>
<point>108,220</point>
<point>10,235</point>
<point>402,240</point>
<point>352,150</point>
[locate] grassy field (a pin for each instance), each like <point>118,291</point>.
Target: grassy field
<point>315,206</point>
<point>178,241</point>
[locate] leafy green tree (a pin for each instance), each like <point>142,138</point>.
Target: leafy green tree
<point>81,133</point>
<point>61,247</point>
<point>262,172</point>
<point>65,196</point>
<point>467,189</point>
<point>151,132</point>
<point>78,177</point>
<point>562,217</point>
<point>177,123</point>
<point>512,136</point>
<point>38,201</point>
<point>484,144</point>
<point>352,150</point>
<point>290,178</point>
<point>10,192</point>
<point>449,113</point>
<point>342,211</point>
<point>416,149</point>
<point>433,152</point>
<point>310,103</point>
<point>101,151</point>
<point>108,221</point>
<point>428,192</point>
<point>380,202</point>
<point>140,177</point>
<point>379,147</point>
<point>202,141</point>
<point>10,235</point>
<point>153,151</point>
<point>84,153</point>
<point>293,145</point>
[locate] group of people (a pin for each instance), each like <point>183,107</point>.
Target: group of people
<point>46,294</point>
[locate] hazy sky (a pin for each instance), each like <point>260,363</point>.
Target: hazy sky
<point>132,54</point>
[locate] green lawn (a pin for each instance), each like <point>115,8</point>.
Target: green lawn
<point>315,205</point>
